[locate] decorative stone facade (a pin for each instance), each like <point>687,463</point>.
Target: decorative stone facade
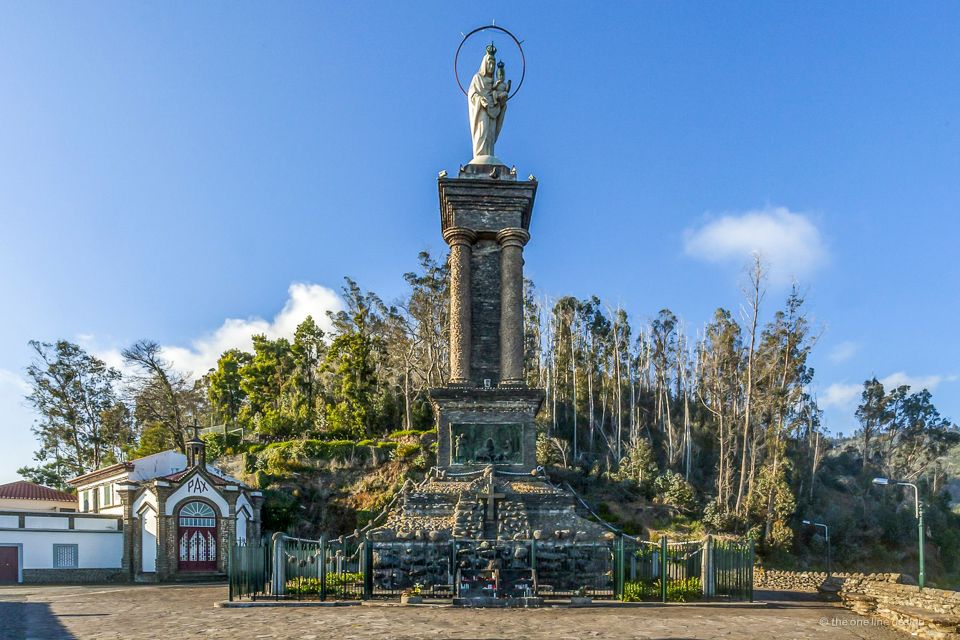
<point>160,543</point>
<point>488,519</point>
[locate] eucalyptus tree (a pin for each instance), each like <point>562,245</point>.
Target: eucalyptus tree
<point>81,425</point>
<point>720,362</point>
<point>163,397</point>
<point>354,359</point>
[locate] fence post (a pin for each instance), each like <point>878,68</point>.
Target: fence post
<point>706,568</point>
<point>533,565</point>
<point>663,569</point>
<point>750,570</point>
<point>452,568</point>
<point>367,569</point>
<point>323,567</point>
<point>230,569</point>
<point>621,567</point>
<point>278,578</point>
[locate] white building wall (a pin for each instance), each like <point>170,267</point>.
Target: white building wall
<point>9,522</point>
<point>148,540</point>
<point>95,524</point>
<point>95,550</point>
<point>46,522</point>
<point>197,486</point>
<point>147,497</point>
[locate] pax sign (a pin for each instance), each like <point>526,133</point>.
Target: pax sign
<point>197,485</point>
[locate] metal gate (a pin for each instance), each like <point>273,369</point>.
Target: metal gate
<point>682,571</point>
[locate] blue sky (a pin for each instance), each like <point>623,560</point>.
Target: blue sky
<point>191,172</point>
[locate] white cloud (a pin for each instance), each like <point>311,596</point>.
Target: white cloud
<point>202,353</point>
<point>841,395</point>
<point>788,242</point>
<point>843,352</point>
<point>916,383</point>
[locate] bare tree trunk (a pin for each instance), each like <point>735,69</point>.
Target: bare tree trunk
<point>573,365</point>
<point>756,281</point>
<point>617,389</point>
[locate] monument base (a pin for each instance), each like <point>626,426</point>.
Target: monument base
<point>478,427</point>
<point>486,601</point>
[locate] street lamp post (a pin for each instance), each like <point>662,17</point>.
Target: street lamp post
<point>883,482</point>
<point>826,533</point>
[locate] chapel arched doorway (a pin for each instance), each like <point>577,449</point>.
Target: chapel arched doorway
<point>197,537</point>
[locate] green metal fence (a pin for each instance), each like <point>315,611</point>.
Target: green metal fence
<point>626,568</point>
<point>248,570</point>
<point>732,569</point>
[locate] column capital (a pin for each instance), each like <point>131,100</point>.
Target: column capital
<point>513,237</point>
<point>459,236</point>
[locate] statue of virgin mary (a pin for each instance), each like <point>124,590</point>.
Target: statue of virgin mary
<point>487,103</point>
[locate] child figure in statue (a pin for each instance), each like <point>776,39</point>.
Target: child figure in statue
<point>501,88</point>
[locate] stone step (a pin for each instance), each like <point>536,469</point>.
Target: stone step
<point>200,576</point>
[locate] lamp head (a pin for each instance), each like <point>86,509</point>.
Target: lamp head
<point>807,522</point>
<point>881,482</point>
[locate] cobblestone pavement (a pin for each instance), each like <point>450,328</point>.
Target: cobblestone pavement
<point>174,611</point>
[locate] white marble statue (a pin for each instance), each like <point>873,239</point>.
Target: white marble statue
<point>487,102</point>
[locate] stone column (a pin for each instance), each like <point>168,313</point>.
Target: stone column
<point>131,530</point>
<point>460,240</point>
<point>511,304</point>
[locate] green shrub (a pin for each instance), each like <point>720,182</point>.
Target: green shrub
<point>677,590</point>
<point>640,590</point>
<point>338,584</point>
<point>407,450</point>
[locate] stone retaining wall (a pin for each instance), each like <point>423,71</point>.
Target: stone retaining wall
<point>808,581</point>
<point>73,576</point>
<point>930,613</point>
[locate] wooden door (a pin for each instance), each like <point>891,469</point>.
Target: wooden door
<point>197,538</point>
<point>9,565</point>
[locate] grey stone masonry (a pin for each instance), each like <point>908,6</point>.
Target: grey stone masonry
<point>511,305</point>
<point>455,405</point>
<point>485,218</point>
<point>460,240</point>
<point>486,221</point>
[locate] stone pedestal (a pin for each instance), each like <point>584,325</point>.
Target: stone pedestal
<point>499,413</point>
<point>485,416</point>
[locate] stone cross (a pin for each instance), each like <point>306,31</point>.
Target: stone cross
<point>491,496</point>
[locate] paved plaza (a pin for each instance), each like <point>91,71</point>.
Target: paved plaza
<point>175,611</point>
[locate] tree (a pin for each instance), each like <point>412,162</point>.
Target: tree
<point>428,308</point>
<point>353,358</point>
<point>225,390</point>
<point>164,399</point>
<point>872,414</point>
<point>75,395</point>
<point>755,296</point>
<point>308,351</point>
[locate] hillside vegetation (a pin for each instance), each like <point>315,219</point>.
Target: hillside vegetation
<point>662,426</point>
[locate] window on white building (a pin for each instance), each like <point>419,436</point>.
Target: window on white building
<point>86,501</point>
<point>65,556</point>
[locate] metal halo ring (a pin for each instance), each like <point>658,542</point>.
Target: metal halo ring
<point>523,59</point>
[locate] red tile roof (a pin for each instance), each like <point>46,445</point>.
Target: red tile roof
<point>23,490</point>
